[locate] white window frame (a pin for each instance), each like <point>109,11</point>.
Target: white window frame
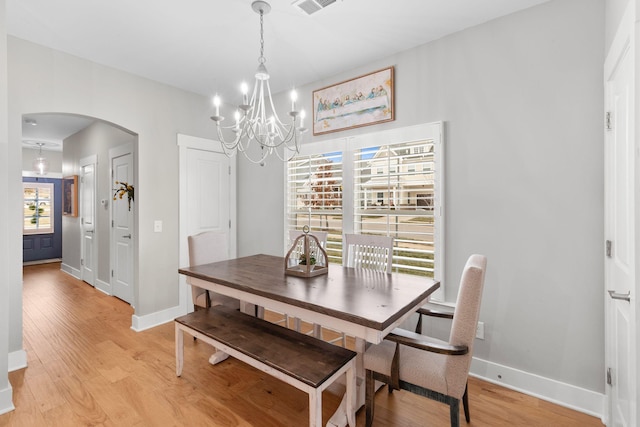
<point>51,187</point>
<point>430,131</point>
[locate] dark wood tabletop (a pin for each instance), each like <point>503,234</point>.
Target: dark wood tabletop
<point>363,297</point>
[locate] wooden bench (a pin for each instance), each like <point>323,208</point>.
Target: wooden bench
<point>307,363</point>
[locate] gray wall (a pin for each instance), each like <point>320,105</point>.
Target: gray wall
<point>45,80</point>
<point>96,139</point>
<point>522,98</point>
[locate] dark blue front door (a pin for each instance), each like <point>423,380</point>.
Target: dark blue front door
<point>37,247</point>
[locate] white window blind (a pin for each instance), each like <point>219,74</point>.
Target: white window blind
<point>388,183</point>
<point>37,208</point>
<point>314,197</point>
<point>399,202</point>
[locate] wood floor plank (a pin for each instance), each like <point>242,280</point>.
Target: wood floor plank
<point>87,367</point>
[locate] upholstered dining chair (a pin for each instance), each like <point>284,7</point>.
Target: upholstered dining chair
<point>426,366</point>
<point>369,252</point>
<point>206,247</point>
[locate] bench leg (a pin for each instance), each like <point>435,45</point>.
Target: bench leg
<point>179,350</point>
<point>315,408</point>
<point>351,395</point>
<point>218,357</point>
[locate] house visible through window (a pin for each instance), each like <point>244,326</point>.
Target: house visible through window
<point>37,208</point>
<point>315,196</point>
<point>398,204</point>
<point>344,192</point>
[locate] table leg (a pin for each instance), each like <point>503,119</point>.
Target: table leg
<point>339,418</point>
<point>179,350</point>
<point>219,356</point>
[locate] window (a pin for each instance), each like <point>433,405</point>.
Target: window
<point>38,208</point>
<point>345,192</point>
<point>315,196</point>
<point>398,204</point>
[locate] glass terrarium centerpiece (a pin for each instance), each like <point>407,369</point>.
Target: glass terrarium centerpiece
<point>307,257</point>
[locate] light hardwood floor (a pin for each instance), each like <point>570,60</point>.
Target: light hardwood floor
<point>87,367</point>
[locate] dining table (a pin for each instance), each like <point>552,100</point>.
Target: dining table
<point>364,304</point>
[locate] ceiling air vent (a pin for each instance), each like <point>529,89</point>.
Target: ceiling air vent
<point>312,6</point>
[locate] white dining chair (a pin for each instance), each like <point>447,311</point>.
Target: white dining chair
<point>204,248</point>
<point>369,252</point>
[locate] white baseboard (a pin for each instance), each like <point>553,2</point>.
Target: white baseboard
<point>17,360</point>
<point>42,261</point>
<point>141,323</point>
<point>6,400</point>
<point>70,270</point>
<point>567,395</point>
<point>103,286</point>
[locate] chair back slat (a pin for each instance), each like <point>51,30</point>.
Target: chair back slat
<point>368,252</point>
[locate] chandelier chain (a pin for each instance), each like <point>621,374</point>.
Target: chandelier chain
<point>262,59</point>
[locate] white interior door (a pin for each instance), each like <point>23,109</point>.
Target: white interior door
<point>206,197</point>
<point>87,219</point>
<point>620,214</point>
<point>122,230</point>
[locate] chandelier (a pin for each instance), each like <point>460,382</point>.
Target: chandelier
<point>40,163</point>
<point>258,131</point>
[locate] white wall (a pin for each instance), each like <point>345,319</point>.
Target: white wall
<point>45,80</point>
<point>522,98</point>
<point>5,277</point>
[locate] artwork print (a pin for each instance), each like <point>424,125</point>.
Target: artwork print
<point>362,101</point>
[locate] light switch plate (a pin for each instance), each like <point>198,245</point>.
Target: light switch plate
<point>157,226</point>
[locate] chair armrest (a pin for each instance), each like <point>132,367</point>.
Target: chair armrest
<point>411,339</point>
<point>430,312</point>
<point>435,313</point>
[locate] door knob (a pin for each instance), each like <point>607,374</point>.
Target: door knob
<point>626,297</point>
<point>127,236</point>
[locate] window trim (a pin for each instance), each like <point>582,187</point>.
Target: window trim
<point>348,145</point>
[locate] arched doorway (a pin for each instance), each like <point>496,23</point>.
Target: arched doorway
<point>82,147</point>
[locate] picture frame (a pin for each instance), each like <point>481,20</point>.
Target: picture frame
<point>362,101</point>
<point>70,196</point>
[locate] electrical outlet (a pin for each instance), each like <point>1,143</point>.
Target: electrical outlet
<point>480,331</point>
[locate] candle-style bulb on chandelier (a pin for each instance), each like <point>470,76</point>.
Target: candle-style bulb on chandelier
<point>256,122</point>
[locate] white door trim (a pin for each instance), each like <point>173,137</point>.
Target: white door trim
<point>185,143</point>
<point>623,46</point>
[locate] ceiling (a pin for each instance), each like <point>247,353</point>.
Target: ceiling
<point>209,46</point>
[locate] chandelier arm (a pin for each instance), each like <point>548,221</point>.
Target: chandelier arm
<point>228,145</point>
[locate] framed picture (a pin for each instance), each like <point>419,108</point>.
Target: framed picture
<point>70,195</point>
<point>362,101</point>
